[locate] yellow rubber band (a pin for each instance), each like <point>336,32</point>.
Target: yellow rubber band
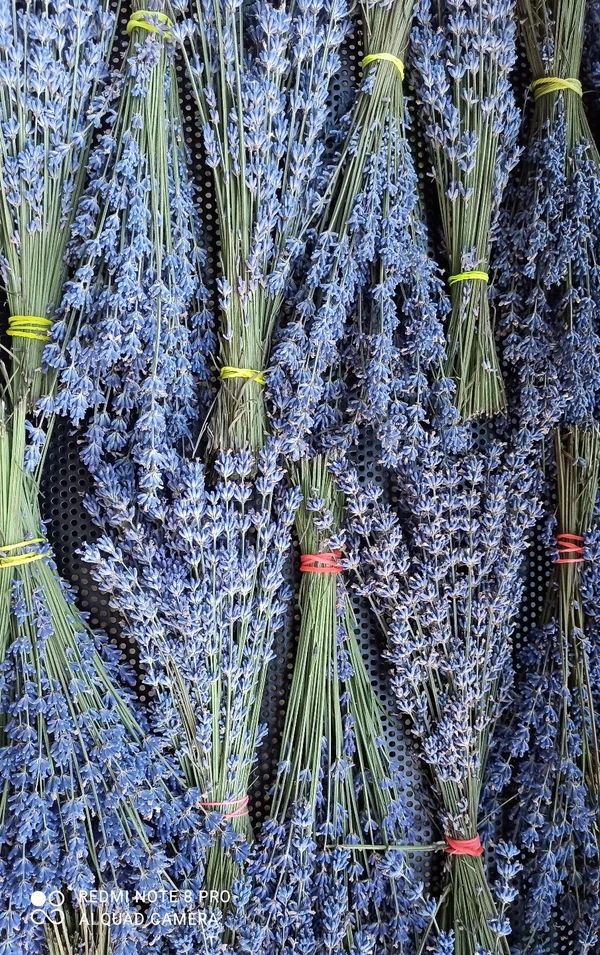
<point>553,84</point>
<point>388,58</point>
<point>227,371</point>
<point>34,540</point>
<point>473,276</point>
<point>15,560</point>
<point>138,21</point>
<point>29,326</point>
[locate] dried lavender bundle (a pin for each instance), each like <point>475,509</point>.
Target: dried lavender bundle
<point>442,570</point>
<point>89,801</point>
<point>329,867</point>
<point>261,78</point>
<point>202,590</point>
<point>549,297</point>
<point>548,281</point>
<point>78,788</point>
<point>193,563</point>
<point>372,216</point>
<point>463,52</point>
<point>134,332</point>
<point>554,739</point>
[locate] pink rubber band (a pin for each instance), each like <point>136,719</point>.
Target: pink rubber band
<point>241,807</point>
<point>464,847</point>
<point>570,544</point>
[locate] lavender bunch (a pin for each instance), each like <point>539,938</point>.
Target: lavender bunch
<point>548,290</point>
<point>193,563</point>
<point>133,336</point>
<point>550,300</point>
<point>329,868</point>
<point>261,78</point>
<point>203,594</point>
<point>372,222</point>
<point>442,570</point>
<point>463,53</point>
<point>79,791</point>
<point>554,738</point>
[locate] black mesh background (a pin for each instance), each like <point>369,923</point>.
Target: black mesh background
<point>65,483</point>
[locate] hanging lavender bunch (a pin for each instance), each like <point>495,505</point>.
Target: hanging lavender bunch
<point>554,738</point>
<point>549,302</point>
<point>372,218</point>
<point>77,780</point>
<point>548,290</point>
<point>442,571</point>
<point>329,867</point>
<point>53,65</point>
<point>193,565</point>
<point>134,332</point>
<point>203,595</point>
<point>463,53</point>
<point>261,78</point>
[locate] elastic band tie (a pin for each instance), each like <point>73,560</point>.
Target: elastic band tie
<point>387,58</point>
<point>29,326</point>
<point>240,807</point>
<point>553,84</point>
<point>15,560</point>
<point>228,371</point>
<point>571,544</point>
<point>138,21</point>
<point>328,563</point>
<point>473,276</point>
<point>464,847</point>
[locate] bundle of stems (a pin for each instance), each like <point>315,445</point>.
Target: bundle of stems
<point>330,866</point>
<point>203,594</point>
<point>550,291</point>
<point>553,31</point>
<point>442,571</point>
<point>548,286</point>
<point>372,215</point>
<point>81,790</point>
<point>555,734</point>
<point>261,78</point>
<point>463,53</point>
<point>553,279</point>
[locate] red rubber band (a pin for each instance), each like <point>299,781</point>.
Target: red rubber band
<point>321,563</point>
<point>570,544</point>
<point>241,807</point>
<point>464,847</point>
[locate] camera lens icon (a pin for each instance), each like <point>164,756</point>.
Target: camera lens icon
<point>47,907</point>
